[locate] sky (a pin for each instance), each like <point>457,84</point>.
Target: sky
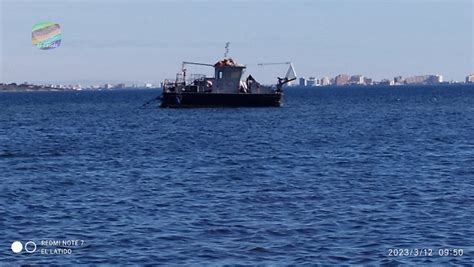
<point>145,41</point>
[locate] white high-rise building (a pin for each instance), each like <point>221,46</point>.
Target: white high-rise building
<point>311,81</point>
<point>470,78</point>
<point>325,81</point>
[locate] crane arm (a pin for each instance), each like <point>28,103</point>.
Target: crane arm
<point>274,63</point>
<point>195,63</point>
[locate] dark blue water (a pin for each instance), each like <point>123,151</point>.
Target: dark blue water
<point>336,176</point>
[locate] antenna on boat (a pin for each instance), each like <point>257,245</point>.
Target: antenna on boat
<point>226,49</point>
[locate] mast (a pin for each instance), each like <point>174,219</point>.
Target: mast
<point>226,49</point>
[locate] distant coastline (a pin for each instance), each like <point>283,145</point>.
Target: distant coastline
<point>25,87</point>
<point>13,87</point>
<point>341,80</point>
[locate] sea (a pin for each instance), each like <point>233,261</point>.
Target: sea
<point>337,176</point>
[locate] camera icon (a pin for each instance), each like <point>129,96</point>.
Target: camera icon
<point>18,247</point>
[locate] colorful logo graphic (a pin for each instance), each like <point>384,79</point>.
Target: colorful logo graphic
<point>46,35</point>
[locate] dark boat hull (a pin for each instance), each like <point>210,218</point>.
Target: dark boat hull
<point>192,99</point>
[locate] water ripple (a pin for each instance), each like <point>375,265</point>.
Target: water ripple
<point>337,176</point>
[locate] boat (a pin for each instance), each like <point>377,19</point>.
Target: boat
<point>225,89</point>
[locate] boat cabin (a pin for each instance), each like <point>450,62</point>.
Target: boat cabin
<point>227,76</point>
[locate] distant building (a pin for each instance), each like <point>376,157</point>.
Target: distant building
<point>416,79</point>
<point>325,81</point>
<point>302,81</point>
<point>357,79</point>
<point>311,81</point>
<point>398,80</point>
<point>120,86</point>
<point>108,86</point>
<point>341,79</point>
<point>470,78</point>
<point>368,81</point>
<point>148,85</point>
<point>424,79</point>
<point>386,82</point>
<point>434,79</point>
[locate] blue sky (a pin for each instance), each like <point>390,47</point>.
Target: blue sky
<point>145,40</point>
